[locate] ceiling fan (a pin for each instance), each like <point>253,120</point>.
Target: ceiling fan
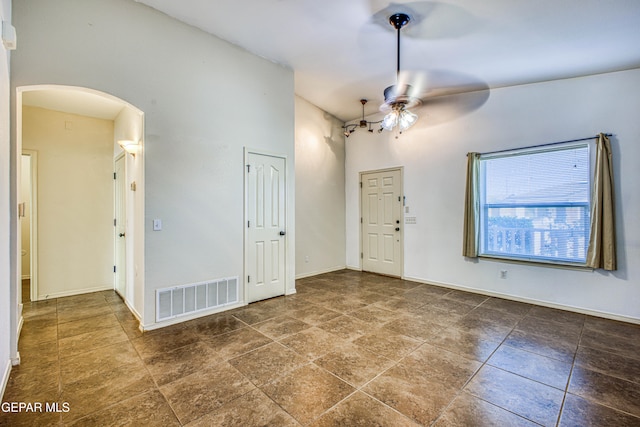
<point>408,92</point>
<point>397,98</point>
<point>401,96</point>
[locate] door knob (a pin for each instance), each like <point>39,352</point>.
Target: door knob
<point>282,233</point>
<point>397,228</point>
<point>121,234</point>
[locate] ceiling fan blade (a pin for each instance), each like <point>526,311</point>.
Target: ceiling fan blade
<point>433,83</point>
<point>436,89</point>
<point>445,108</point>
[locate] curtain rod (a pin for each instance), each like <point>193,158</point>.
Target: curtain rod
<point>545,145</point>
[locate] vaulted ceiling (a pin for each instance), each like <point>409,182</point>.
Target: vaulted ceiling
<point>345,50</point>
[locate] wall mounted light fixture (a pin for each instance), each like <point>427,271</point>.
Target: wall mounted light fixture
<point>129,146</point>
<point>8,36</point>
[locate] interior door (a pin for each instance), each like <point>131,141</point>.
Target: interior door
<point>381,209</point>
<point>119,228</point>
<point>266,232</point>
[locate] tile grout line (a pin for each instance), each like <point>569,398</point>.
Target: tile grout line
<point>485,363</point>
<point>573,364</point>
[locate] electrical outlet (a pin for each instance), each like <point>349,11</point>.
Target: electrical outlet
<point>503,274</point>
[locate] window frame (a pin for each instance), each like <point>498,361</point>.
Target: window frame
<point>483,207</point>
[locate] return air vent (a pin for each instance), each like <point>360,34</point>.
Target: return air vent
<point>187,299</point>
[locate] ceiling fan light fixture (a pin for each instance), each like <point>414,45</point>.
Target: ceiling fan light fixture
<point>399,116</point>
<point>406,119</point>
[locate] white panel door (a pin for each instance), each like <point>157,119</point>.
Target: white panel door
<point>266,233</point>
<point>381,222</point>
<point>120,227</point>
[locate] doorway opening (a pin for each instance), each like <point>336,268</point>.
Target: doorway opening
<point>66,210</point>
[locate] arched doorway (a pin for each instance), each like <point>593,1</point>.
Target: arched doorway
<point>87,114</point>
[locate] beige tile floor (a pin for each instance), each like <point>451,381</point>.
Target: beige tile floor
<point>349,349</point>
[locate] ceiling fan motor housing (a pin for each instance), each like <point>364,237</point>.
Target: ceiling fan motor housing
<point>400,94</point>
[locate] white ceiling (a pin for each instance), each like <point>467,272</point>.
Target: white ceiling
<point>345,50</point>
<point>74,101</point>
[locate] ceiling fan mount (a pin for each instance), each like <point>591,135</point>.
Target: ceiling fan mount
<point>399,20</point>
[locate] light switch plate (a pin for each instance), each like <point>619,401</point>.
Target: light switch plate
<point>157,224</point>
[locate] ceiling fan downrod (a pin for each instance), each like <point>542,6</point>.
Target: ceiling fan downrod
<point>398,21</point>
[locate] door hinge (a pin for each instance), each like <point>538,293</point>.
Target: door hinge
<point>114,222</point>
<point>114,268</point>
<point>248,224</point>
<point>361,255</point>
<point>399,198</point>
<point>248,279</point>
<point>114,175</point>
<point>248,168</point>
<point>360,185</point>
<point>360,220</point>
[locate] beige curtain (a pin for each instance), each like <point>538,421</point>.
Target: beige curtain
<point>602,238</point>
<point>471,208</point>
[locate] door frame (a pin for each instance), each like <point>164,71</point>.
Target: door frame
<point>360,242</point>
<point>33,225</point>
<point>287,245</point>
<point>124,270</point>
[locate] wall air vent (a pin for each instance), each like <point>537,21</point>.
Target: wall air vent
<point>182,300</point>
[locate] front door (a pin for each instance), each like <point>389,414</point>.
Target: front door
<point>381,209</point>
<point>265,222</point>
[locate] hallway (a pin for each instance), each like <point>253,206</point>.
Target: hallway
<point>348,346</point>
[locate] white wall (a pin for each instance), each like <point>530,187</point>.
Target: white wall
<point>320,203</point>
<point>75,200</point>
<point>204,100</point>
<point>434,156</point>
<point>7,305</point>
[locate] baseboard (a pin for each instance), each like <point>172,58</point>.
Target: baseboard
<point>133,311</point>
<point>315,273</point>
<point>75,292</point>
<point>534,301</point>
<point>20,323</point>
<point>5,377</point>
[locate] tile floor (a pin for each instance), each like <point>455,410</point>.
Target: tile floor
<point>348,349</point>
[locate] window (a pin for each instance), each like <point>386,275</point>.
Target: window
<point>535,204</point>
